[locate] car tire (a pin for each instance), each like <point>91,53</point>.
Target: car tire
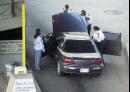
<point>59,71</point>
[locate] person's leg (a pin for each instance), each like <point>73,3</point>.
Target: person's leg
<point>37,59</point>
<point>101,49</point>
<point>89,28</point>
<point>99,46</point>
<point>40,55</point>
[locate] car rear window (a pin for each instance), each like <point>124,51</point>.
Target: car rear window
<point>79,46</point>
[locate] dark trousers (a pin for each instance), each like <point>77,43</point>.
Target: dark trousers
<point>89,28</point>
<point>101,46</point>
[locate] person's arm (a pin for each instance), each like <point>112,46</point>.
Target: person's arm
<point>94,36</point>
<point>102,35</point>
<point>89,19</point>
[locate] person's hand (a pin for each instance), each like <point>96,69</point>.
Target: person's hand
<point>87,18</point>
<point>43,50</point>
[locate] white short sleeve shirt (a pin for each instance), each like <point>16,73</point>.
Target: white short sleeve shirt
<point>98,36</point>
<point>38,44</point>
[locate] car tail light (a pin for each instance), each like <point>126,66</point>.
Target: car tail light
<point>99,61</point>
<point>68,61</point>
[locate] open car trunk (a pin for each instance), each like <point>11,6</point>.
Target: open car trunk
<point>68,22</point>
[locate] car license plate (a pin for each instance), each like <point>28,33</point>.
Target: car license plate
<point>84,70</point>
<point>96,68</point>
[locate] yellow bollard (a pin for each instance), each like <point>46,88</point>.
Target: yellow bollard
<point>23,35</point>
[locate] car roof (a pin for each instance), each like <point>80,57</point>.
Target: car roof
<point>76,36</point>
<point>68,22</point>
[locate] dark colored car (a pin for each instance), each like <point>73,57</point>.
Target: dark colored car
<point>63,22</point>
<point>73,49</point>
<point>77,53</point>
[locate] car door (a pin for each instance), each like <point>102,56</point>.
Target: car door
<point>51,42</point>
<point>113,44</point>
<point>48,43</point>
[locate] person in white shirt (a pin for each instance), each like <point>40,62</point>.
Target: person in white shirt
<point>99,38</point>
<point>87,20</point>
<point>39,48</point>
<point>98,34</point>
<point>83,16</point>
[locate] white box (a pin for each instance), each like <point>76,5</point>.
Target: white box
<point>20,70</point>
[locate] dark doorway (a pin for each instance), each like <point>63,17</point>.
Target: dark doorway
<point>11,34</point>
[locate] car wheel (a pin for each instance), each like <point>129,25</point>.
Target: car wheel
<point>59,71</point>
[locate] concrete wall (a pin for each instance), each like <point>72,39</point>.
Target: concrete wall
<point>6,19</point>
<point>10,53</point>
<point>9,59</point>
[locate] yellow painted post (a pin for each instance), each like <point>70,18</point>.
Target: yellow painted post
<point>23,36</point>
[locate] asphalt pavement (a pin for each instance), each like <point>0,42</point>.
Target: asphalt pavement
<point>113,79</point>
